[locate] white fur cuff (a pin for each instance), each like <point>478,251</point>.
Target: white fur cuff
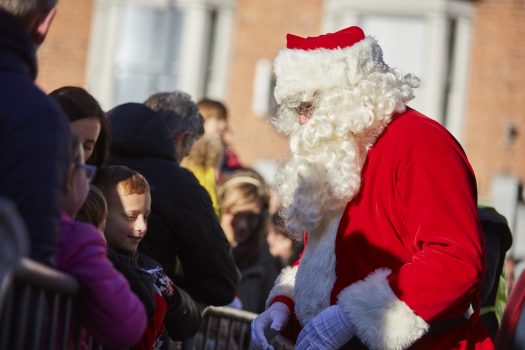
<point>284,284</point>
<point>381,320</point>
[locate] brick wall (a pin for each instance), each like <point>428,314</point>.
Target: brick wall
<point>259,32</point>
<point>496,86</point>
<point>63,55</point>
<point>496,91</point>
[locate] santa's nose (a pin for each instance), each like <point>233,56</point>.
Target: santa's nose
<point>303,119</point>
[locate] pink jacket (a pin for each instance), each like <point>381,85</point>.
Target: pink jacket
<point>112,313</point>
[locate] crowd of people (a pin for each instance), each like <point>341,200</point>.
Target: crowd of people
<point>378,242</point>
<point>106,200</point>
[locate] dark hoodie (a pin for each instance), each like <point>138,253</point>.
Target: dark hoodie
<point>183,226</point>
<point>34,142</point>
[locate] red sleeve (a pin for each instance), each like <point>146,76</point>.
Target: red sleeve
<point>287,301</point>
<point>436,190</point>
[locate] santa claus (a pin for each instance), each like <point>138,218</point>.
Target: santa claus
<point>393,254</point>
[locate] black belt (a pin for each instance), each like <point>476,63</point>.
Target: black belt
<point>443,325</point>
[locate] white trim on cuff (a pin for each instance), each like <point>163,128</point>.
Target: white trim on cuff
<point>284,284</point>
<point>380,318</point>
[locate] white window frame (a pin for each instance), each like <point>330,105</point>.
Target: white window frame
<point>201,73</point>
<point>338,14</point>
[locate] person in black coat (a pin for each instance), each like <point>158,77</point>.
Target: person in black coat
<point>35,135</point>
<point>183,226</point>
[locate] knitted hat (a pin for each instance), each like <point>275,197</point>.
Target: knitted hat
<point>331,60</point>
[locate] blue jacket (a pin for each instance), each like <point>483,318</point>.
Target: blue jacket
<point>34,142</point>
<point>183,223</point>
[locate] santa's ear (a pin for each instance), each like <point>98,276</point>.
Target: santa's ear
<point>40,27</point>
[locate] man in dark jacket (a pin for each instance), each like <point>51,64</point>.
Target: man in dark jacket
<point>34,133</point>
<point>183,226</point>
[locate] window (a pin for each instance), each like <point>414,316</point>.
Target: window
<point>407,53</point>
<point>139,47</point>
<point>428,38</point>
<point>148,55</point>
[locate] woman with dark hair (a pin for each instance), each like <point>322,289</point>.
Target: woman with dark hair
<point>88,121</point>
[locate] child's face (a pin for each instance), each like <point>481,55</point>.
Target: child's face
<point>216,127</point>
<point>127,220</point>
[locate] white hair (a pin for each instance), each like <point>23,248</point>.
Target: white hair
<point>22,8</point>
<point>329,151</point>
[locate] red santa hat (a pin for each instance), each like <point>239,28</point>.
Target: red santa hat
<point>331,60</point>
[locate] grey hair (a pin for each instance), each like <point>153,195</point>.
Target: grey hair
<point>23,8</point>
<point>179,111</point>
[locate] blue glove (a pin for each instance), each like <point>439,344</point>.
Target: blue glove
<point>329,330</point>
<point>268,324</point>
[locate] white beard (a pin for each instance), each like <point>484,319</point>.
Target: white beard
<point>319,181</point>
<point>329,151</point>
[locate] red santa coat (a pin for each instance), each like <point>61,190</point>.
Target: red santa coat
<point>406,252</point>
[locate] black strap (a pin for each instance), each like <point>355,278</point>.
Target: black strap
<point>443,325</point>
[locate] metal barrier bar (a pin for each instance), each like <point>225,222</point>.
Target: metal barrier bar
<point>22,321</point>
<point>242,336</point>
<point>225,328</point>
<point>39,319</point>
<point>229,313</point>
<point>49,295</point>
<point>7,310</point>
<point>38,304</point>
<point>46,278</point>
<point>54,320</point>
<point>67,323</point>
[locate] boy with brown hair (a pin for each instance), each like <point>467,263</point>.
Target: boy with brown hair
<point>128,196</point>
<point>105,297</point>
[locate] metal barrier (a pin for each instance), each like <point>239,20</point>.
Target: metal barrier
<point>225,328</point>
<point>38,309</point>
<point>39,312</point>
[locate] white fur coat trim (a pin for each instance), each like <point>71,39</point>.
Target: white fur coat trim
<point>284,285</point>
<point>316,275</point>
<point>381,319</point>
<point>300,71</point>
<point>311,284</point>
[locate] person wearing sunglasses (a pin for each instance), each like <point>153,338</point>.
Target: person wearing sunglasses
<point>89,169</point>
<point>106,299</point>
<point>244,201</point>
